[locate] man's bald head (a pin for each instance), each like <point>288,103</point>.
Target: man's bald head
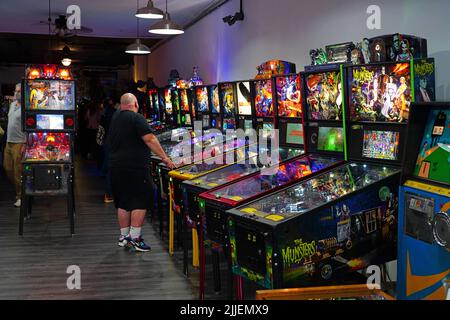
<point>128,101</point>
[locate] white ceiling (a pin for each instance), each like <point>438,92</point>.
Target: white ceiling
<point>107,18</point>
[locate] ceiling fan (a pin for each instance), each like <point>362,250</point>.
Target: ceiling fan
<point>58,26</point>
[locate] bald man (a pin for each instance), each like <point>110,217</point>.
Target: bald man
<point>131,140</point>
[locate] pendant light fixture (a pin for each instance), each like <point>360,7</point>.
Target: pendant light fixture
<point>166,26</point>
<point>149,12</point>
<point>137,47</point>
<point>66,61</point>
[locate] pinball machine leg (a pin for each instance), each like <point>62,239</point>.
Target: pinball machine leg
<point>160,214</point>
<point>216,270</point>
<point>184,232</point>
<point>71,213</point>
<point>179,229</point>
<point>239,288</point>
<point>72,193</point>
<point>230,279</point>
<point>201,246</point>
<point>28,206</point>
<point>171,224</point>
<point>195,256</point>
<point>23,209</point>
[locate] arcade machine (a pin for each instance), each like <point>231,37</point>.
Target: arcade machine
<point>187,114</point>
<point>263,105</point>
<point>424,217</point>
<point>205,142</point>
<point>324,146</point>
<point>175,103</point>
<point>48,113</point>
<point>203,105</point>
<point>342,220</point>
<point>169,109</point>
<point>152,113</point>
<point>263,89</point>
<point>227,101</point>
<point>288,107</point>
<point>244,105</point>
<point>192,188</point>
<point>239,154</point>
<point>216,114</point>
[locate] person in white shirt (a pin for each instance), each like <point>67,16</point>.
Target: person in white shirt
<point>15,144</point>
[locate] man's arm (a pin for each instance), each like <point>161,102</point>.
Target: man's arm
<point>153,143</point>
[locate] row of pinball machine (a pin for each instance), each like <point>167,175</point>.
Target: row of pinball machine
<point>360,176</point>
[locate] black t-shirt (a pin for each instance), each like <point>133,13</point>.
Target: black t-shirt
<point>128,150</point>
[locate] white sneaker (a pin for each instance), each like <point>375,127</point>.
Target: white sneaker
<point>17,203</point>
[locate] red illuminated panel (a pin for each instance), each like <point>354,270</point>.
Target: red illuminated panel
<point>30,121</point>
<point>69,122</point>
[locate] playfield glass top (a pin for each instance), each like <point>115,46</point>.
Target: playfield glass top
<point>172,134</point>
<point>433,161</point>
<point>44,146</point>
<point>236,171</point>
<point>317,191</point>
<point>269,179</point>
<point>324,96</point>
<point>226,174</point>
<point>186,154</point>
<point>58,95</point>
<point>380,93</point>
<point>200,168</point>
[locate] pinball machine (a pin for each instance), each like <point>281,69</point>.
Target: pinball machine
<point>238,154</point>
<point>202,105</point>
<point>189,150</point>
<point>423,268</point>
<point>187,111</point>
<point>154,114</point>
<point>48,113</point>
<point>153,111</point>
<point>342,220</point>
<point>216,114</point>
<point>263,105</point>
<point>318,157</point>
<point>291,147</point>
<point>169,108</point>
<point>244,105</point>
<point>228,107</point>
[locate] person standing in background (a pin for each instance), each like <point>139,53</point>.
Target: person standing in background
<point>132,140</point>
<point>105,122</point>
<point>15,144</point>
<point>92,117</point>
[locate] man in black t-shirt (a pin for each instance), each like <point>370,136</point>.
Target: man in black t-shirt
<point>131,141</point>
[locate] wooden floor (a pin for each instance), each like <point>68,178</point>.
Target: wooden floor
<point>34,266</point>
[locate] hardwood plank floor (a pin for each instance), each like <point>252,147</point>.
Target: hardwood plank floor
<point>34,266</point>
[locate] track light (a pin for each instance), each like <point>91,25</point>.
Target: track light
<point>238,16</point>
